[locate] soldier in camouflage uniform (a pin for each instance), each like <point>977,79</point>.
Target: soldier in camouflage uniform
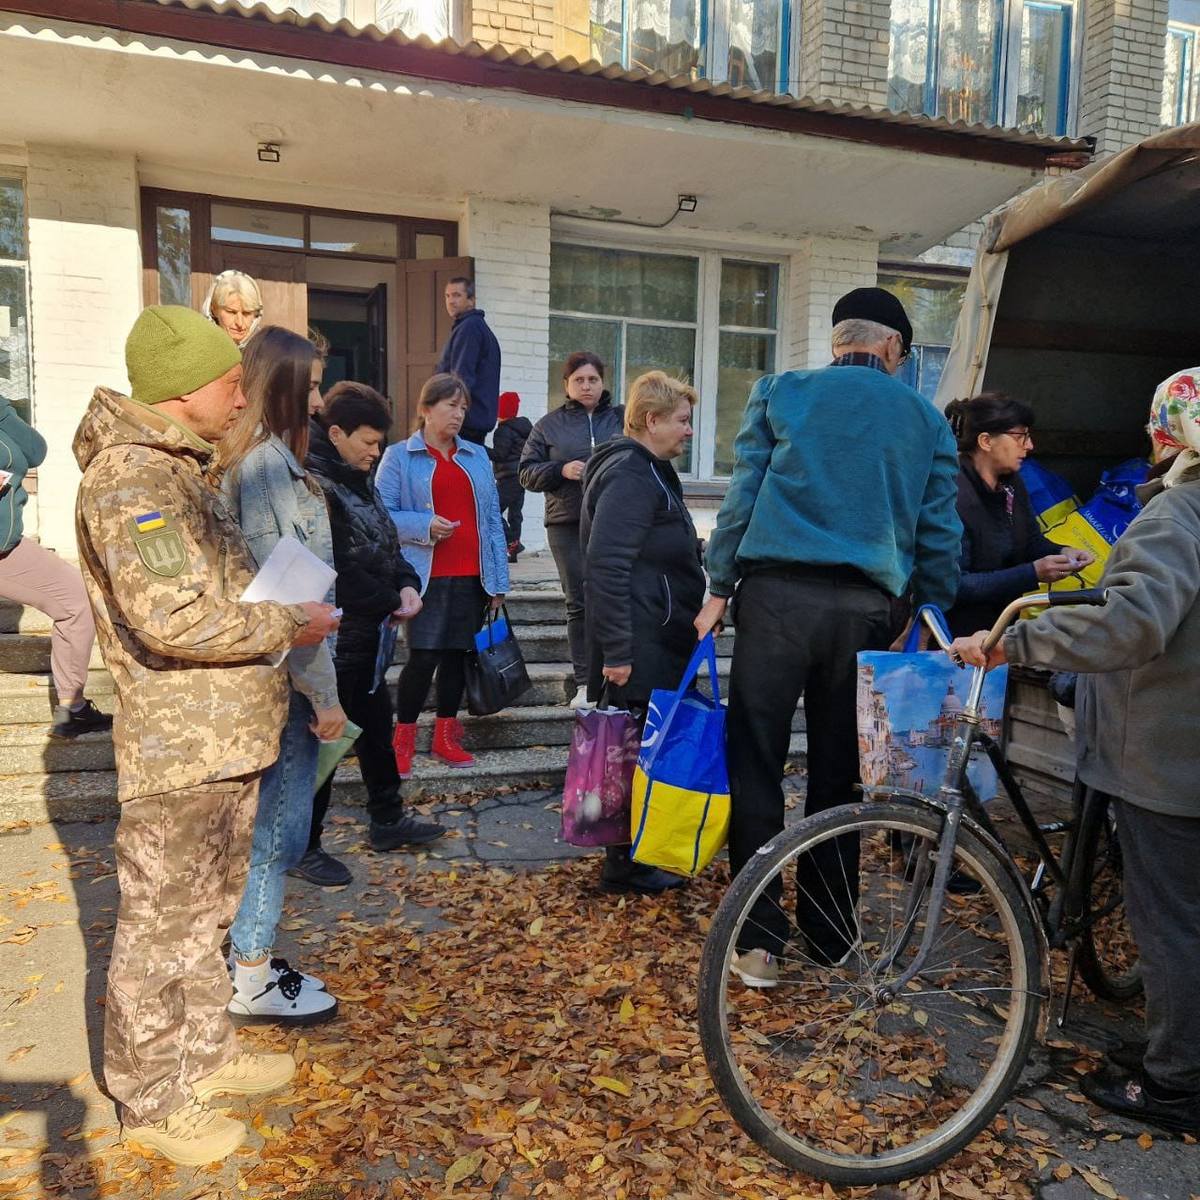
<point>200,706</point>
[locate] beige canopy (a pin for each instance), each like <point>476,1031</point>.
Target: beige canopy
<point>1143,201</point>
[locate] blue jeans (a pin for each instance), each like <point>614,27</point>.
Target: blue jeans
<point>281,827</point>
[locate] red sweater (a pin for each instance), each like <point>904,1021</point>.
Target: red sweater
<point>454,499</point>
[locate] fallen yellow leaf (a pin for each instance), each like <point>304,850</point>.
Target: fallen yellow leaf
<point>463,1168</point>
<point>612,1085</point>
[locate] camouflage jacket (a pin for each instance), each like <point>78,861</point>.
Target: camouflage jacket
<point>198,698</point>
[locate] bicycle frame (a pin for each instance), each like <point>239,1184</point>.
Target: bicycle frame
<point>957,801</point>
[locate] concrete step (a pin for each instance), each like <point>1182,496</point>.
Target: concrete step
<point>92,795</point>
<point>526,606</point>
<point>26,699</point>
<point>29,749</point>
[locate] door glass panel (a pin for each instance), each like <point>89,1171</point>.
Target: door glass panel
<point>908,56</point>
<point>754,44</point>
<point>661,348</point>
<point>743,358</point>
<point>623,283</point>
<point>12,219</point>
<point>14,338</point>
<point>1045,60</point>
<point>603,338</point>
<point>174,230</point>
<point>257,226</point>
<point>932,305</point>
<point>665,35</point>
<point>430,245</point>
<point>352,235</point>
<point>967,45</point>
<point>748,293</point>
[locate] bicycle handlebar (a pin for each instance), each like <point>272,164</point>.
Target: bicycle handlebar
<point>1050,599</point>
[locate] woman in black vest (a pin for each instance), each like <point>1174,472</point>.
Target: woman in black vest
<point>1004,554</point>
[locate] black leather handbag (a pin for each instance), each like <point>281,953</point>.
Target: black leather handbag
<point>496,674</point>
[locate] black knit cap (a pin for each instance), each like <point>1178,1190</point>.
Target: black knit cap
<point>878,305</point>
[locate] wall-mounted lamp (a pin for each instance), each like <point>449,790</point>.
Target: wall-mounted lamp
<point>687,203</point>
<point>268,152</point>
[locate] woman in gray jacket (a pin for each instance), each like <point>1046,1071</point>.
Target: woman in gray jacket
<point>272,497</point>
<point>552,462</point>
<point>1138,715</point>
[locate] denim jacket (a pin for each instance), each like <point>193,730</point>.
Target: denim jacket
<point>271,500</point>
<point>405,485</point>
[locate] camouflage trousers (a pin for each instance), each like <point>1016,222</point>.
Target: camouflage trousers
<point>182,859</point>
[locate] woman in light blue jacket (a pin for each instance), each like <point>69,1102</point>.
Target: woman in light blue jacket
<point>440,491</point>
<point>273,497</point>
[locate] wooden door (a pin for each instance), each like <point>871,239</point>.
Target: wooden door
<point>280,277</point>
<point>424,326</point>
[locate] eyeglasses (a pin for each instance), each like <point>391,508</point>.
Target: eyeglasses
<point>1021,435</point>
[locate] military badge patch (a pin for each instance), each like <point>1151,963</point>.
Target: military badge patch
<point>158,544</point>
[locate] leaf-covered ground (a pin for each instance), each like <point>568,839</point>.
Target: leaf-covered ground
<point>515,1033</point>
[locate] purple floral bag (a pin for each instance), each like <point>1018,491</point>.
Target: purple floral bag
<point>604,750</point>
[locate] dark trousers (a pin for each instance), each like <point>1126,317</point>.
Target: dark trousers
<point>568,558</point>
<point>512,501</point>
<point>1162,898</point>
<point>411,693</point>
<point>376,758</point>
<point>799,634</point>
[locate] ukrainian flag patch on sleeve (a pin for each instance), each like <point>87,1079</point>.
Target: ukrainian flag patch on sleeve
<point>149,522</point>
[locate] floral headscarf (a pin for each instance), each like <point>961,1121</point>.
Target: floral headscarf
<point>1175,421</point>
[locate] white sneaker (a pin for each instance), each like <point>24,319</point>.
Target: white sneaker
<point>580,699</point>
<point>262,996</point>
<point>280,965</point>
<point>756,969</point>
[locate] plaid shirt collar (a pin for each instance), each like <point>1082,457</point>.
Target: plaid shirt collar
<point>858,359</point>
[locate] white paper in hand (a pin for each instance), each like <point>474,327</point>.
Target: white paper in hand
<point>292,574</point>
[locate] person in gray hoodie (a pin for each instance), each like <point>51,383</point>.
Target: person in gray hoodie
<point>1139,711</point>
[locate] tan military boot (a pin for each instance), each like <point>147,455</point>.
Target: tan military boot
<point>247,1075</point>
<point>191,1136</point>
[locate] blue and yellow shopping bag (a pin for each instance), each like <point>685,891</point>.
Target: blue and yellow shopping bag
<point>680,809</point>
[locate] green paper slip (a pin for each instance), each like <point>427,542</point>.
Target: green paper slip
<point>332,753</point>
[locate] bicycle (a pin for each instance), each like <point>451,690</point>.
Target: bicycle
<point>880,1066</point>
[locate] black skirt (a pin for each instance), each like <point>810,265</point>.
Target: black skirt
<point>452,613</point>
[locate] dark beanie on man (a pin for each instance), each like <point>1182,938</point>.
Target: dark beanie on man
<point>878,305</point>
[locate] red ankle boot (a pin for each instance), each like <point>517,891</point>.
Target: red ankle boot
<point>404,743</point>
<point>447,743</point>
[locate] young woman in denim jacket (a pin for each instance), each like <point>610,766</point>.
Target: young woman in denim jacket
<point>272,498</point>
<point>440,492</point>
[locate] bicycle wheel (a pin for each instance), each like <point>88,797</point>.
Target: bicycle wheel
<point>1108,955</point>
<point>826,1072</point>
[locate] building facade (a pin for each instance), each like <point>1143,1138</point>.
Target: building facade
<point>682,184</point>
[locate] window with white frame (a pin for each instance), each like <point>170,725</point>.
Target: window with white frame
<point>995,62</point>
<point>932,303</point>
<point>15,373</point>
<point>434,18</point>
<point>705,317</point>
<point>1181,82</point>
<point>746,43</point>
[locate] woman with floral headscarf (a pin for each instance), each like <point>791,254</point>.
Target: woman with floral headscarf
<point>1139,714</point>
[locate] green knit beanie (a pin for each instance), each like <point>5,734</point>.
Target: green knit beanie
<point>172,350</point>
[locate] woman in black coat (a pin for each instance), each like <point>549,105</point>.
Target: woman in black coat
<point>643,583</point>
<point>553,462</point>
<point>1004,554</point>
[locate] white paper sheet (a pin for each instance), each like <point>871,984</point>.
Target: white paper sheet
<point>292,574</point>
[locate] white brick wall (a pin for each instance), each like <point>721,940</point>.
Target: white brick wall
<point>821,271</point>
<point>1120,92</point>
<point>844,50</point>
<point>85,285</point>
<point>511,247</point>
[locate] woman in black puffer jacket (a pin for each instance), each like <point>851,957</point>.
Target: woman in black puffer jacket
<point>642,576</point>
<point>552,462</point>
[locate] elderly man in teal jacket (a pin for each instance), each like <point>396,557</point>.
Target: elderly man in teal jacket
<point>842,500</point>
